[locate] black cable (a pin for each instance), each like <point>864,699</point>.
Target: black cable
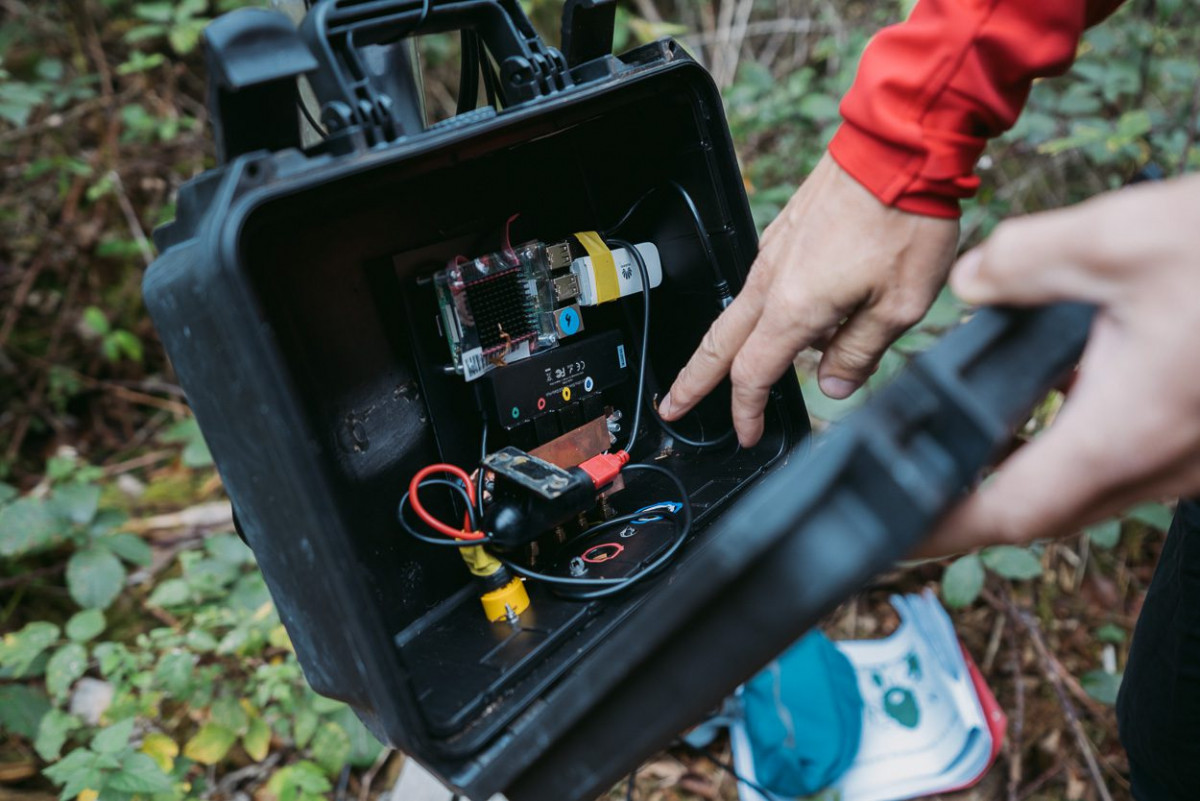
<point>425,6</point>
<point>644,352</point>
<point>468,73</point>
<point>440,541</point>
<point>730,769</point>
<point>479,474</point>
<point>723,296</point>
<point>612,586</point>
<point>308,117</point>
<point>701,230</point>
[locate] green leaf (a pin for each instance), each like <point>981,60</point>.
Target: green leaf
<point>7,492</point>
<point>962,581</point>
<point>1133,124</point>
<point>22,708</point>
<point>209,745</point>
<point>27,525</point>
<point>364,748</point>
<point>306,724</point>
<point>94,577</point>
<point>304,777</point>
<point>76,503</point>
<point>86,778</point>
<point>19,650</point>
<point>330,747</point>
<point>1011,562</point>
<point>161,748</point>
<point>68,664</point>
<point>112,739</point>
<point>155,12</point>
<point>1111,632</point>
<point>1155,515</point>
<point>126,343</point>
<point>1105,535</point>
<point>257,740</point>
<point>197,454</point>
<point>139,774</point>
<point>52,734</point>
<point>227,713</point>
<point>818,107</point>
<point>185,36</point>
<point>95,321</point>
<point>85,625</point>
<point>1101,685</point>
<point>174,672</point>
<point>172,592</point>
<point>229,548</point>
<point>130,547</point>
<point>195,451</point>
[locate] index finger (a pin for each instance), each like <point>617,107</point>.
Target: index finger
<point>711,361</point>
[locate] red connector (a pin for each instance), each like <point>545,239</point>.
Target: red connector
<point>603,469</point>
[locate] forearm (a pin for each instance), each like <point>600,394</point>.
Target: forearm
<point>932,90</point>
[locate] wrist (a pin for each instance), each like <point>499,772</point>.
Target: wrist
<point>888,171</point>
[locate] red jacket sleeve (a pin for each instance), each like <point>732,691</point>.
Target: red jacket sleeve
<point>932,90</point>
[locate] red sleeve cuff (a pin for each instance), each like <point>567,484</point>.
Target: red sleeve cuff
<point>887,170</point>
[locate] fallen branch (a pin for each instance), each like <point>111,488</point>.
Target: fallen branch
<point>1054,674</point>
<point>1018,723</point>
<point>1041,781</point>
<point>30,575</point>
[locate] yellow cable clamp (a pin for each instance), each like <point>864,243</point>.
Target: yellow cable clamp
<point>604,267</point>
<point>508,601</point>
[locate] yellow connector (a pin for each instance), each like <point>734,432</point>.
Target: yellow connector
<point>504,603</point>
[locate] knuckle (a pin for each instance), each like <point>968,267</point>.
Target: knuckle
<point>906,316</point>
<point>710,345</point>
<point>851,358</point>
<point>790,298</point>
<point>742,373</point>
<point>903,312</point>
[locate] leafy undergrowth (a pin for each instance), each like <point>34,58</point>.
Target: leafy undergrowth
<point>144,657</point>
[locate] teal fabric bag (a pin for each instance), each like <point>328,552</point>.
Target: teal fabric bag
<point>803,718</point>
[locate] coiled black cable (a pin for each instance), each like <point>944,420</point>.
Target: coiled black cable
<point>642,354</point>
<point>612,586</point>
<point>441,541</point>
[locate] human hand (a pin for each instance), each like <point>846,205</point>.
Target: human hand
<point>837,269</point>
<point>1130,429</point>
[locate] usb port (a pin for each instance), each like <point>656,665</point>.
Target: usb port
<point>559,255</point>
<point>566,287</point>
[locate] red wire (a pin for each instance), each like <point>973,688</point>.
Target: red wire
<point>437,525</point>
<point>508,248</point>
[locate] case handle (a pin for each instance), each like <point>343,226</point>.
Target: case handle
<point>339,31</point>
<point>254,57</point>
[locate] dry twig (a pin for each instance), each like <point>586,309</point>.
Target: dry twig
<point>1053,671</point>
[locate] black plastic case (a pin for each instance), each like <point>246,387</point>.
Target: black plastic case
<point>287,296</point>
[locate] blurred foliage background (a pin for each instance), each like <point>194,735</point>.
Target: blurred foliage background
<point>141,656</point>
